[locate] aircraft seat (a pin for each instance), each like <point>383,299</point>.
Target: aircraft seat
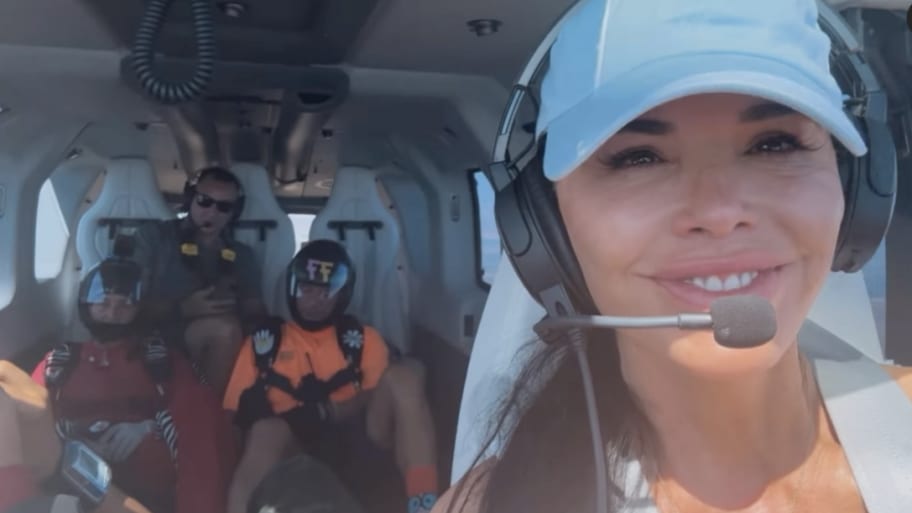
<point>266,228</point>
<point>358,216</point>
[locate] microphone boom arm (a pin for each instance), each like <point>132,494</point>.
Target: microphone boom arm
<point>688,321</point>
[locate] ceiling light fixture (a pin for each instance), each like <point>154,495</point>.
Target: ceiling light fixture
<point>233,9</point>
<point>484,26</point>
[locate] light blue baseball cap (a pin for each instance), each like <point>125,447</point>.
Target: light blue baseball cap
<point>614,60</point>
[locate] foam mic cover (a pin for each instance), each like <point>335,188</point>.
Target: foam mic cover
<point>743,321</point>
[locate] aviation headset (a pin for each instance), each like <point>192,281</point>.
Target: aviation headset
<point>533,232</point>
<point>190,190</point>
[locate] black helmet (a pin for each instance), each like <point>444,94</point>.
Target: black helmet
<point>114,276</point>
<point>322,277</point>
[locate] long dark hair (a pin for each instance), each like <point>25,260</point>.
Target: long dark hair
<point>547,463</point>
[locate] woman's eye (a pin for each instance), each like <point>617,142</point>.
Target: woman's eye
<point>780,143</point>
<point>633,158</point>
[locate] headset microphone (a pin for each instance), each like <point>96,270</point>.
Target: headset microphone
<point>737,321</point>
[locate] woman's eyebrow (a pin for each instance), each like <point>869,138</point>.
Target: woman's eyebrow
<point>764,111</point>
<point>758,112</point>
<point>648,126</point>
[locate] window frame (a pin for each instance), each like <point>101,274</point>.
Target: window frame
<point>478,229</point>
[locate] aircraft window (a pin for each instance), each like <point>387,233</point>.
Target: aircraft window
<point>51,234</point>
<point>301,224</point>
<point>875,277</point>
<point>488,243</point>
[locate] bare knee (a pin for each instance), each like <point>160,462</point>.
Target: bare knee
<point>405,379</point>
<point>218,327</point>
<point>222,332</point>
<point>269,438</point>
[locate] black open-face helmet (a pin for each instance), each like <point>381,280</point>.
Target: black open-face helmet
<point>320,283</point>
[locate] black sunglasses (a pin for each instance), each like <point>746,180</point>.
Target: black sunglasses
<point>205,201</point>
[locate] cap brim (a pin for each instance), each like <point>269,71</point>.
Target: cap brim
<point>576,134</point>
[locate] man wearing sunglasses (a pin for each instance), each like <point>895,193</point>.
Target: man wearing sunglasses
<point>205,285</point>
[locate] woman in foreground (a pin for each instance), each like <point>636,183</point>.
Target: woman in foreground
<point>692,147</point>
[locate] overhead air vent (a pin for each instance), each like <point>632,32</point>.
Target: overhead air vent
<point>254,113</point>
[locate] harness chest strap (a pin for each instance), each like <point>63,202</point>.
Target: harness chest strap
<point>872,417</point>
<point>266,340</point>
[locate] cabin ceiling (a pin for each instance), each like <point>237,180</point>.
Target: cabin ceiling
<point>418,35</point>
<point>65,57</point>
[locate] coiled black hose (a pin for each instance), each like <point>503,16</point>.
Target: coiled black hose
<point>143,56</point>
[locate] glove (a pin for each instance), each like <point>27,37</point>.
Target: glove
<point>313,390</point>
<point>120,440</point>
<point>253,405</point>
<point>307,421</point>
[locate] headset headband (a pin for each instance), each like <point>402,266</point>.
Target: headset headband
<point>532,68</point>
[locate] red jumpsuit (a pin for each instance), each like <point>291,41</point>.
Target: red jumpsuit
<point>110,382</point>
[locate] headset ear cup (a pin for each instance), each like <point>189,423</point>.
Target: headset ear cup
<point>189,193</point>
<point>552,233</point>
<point>869,189</point>
<point>536,241</point>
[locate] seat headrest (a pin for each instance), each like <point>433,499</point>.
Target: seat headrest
<point>358,186</point>
<point>129,191</point>
<point>261,202</point>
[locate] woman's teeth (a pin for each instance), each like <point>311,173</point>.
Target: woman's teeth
<point>723,283</point>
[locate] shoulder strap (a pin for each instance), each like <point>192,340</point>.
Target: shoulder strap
<point>350,336</point>
<point>872,417</point>
<point>265,340</point>
<point>59,364</point>
<point>156,359</point>
<point>228,255</point>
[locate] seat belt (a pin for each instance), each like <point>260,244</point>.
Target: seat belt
<point>872,417</point>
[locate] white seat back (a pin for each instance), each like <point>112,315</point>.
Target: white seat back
<point>274,247</point>
<point>381,294</point>
<point>129,192</point>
